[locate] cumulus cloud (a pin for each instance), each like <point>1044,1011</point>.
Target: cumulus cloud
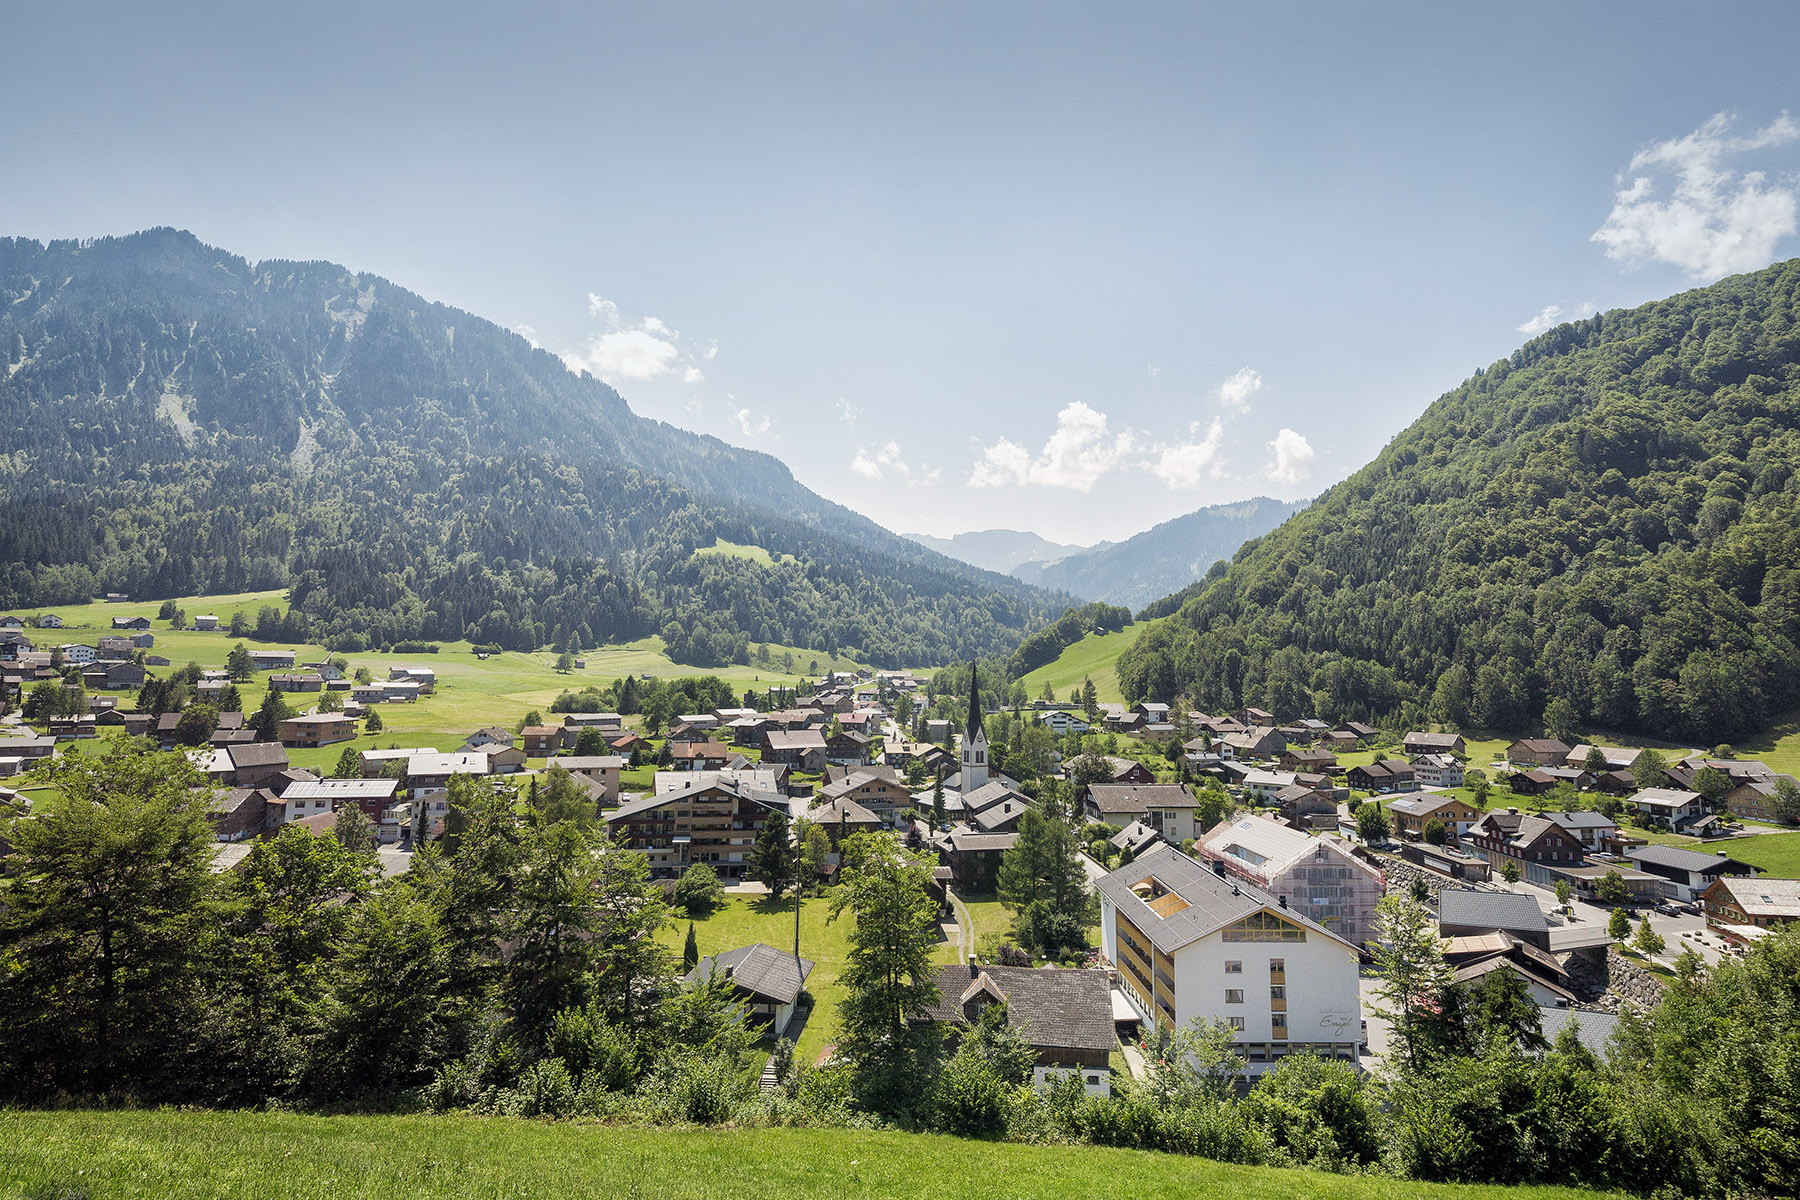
<point>1235,392</point>
<point>1076,456</point>
<point>751,427</point>
<point>620,352</point>
<point>848,412</point>
<point>1183,464</point>
<point>1291,458</point>
<point>1715,220</point>
<point>528,333</point>
<point>1552,315</point>
<point>886,462</point>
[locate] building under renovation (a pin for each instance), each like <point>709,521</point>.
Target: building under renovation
<point>1319,876</point>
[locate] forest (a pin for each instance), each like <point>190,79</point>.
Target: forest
<point>183,422</point>
<point>1606,518</point>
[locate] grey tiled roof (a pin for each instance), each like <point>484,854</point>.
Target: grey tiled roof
<point>1050,1006</point>
<point>1490,910</point>
<point>1212,902</point>
<point>760,969</point>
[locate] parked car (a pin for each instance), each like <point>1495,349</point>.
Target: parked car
<point>1669,908</point>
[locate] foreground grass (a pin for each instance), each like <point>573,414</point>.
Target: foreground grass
<point>257,1156</point>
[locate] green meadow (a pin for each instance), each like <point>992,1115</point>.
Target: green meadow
<point>1093,657</point>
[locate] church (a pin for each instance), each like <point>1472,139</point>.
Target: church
<point>976,770</point>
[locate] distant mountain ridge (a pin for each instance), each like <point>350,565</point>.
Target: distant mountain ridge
<point>1002,550</point>
<point>182,421</point>
<point>1164,559</point>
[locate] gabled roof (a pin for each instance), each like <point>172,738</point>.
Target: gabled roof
<point>759,969</point>
<point>795,739</point>
<point>1764,897</point>
<point>1139,797</point>
<point>258,754</point>
<point>841,808</point>
<point>1209,901</point>
<point>1475,971</point>
<point>1490,910</point>
<point>1685,860</point>
<point>1051,1007</point>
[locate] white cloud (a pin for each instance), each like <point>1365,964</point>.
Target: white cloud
<point>1076,455</point>
<point>1235,392</point>
<point>1552,315</point>
<point>528,333</point>
<point>606,310</point>
<point>654,326</point>
<point>1291,459</point>
<point>1152,370</point>
<point>1715,221</point>
<point>848,412</point>
<point>886,462</point>
<point>693,375</point>
<point>1182,464</point>
<point>625,354</point>
<point>712,351</point>
<point>751,427</point>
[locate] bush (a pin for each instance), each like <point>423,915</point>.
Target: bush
<point>699,1087</point>
<point>968,1099</point>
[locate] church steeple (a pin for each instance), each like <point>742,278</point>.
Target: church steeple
<point>975,743</point>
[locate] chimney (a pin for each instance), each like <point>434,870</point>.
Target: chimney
<point>1235,891</point>
<point>974,969</point>
<point>1283,900</point>
<point>1513,810</point>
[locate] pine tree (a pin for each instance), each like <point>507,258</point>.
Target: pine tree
<point>772,858</point>
<point>690,953</point>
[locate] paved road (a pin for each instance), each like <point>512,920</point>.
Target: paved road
<point>965,927</point>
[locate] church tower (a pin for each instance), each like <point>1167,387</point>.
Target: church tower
<point>975,743</point>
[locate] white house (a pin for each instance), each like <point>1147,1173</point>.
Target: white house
<point>1061,723</point>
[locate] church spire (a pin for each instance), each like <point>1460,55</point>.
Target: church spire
<point>975,743</point>
<point>975,724</point>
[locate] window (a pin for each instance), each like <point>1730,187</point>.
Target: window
<point>1094,1080</point>
<point>1234,996</point>
<point>1277,966</point>
<point>1234,966</point>
<point>1236,1023</point>
<point>1278,993</point>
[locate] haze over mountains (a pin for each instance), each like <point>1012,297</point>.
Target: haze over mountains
<point>1146,567</point>
<point>182,421</point>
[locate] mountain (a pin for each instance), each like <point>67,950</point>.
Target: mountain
<point>182,421</point>
<point>1604,526</point>
<point>1161,560</point>
<point>1002,550</point>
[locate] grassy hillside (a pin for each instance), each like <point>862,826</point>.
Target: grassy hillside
<point>1090,658</point>
<point>169,1155</point>
<point>1776,854</point>
<point>756,554</point>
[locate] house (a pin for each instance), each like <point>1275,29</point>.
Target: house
<point>1305,807</point>
<point>1755,798</point>
<point>297,681</point>
<point>135,623</point>
<point>1596,832</point>
<point>1264,785</point>
<point>1412,813</point>
<point>1532,841</point>
<point>502,760</point>
<point>113,647</point>
<point>428,775</point>
<point>1357,731</point>
<point>1617,758</point>
<point>1445,861</point>
<point>1321,876</point>
<point>206,623</point>
<point>1256,742</point>
<point>1126,770</point>
<point>375,761</point>
<point>1689,872</point>
<point>1191,943</point>
<point>1339,740</point>
<point>1253,716</point>
<point>841,816</point>
<point>1307,758</point>
<point>602,770</point>
<point>1382,776</point>
<point>604,722</point>
<point>804,748</point>
<point>974,857</point>
<point>767,981</point>
<point>1419,742</point>
<point>492,735</point>
<point>698,756</point>
<point>78,653</point>
<point>1065,1016</point>
<point>540,741</point>
<point>317,729</point>
<point>1438,770</point>
<point>715,822</point>
<point>1739,907</point>
<point>874,789</point>
<point>49,621</point>
<point>903,754</point>
<point>1462,912</point>
<point>1134,839</point>
<point>848,746</point>
<point>271,660</point>
<point>424,677</point>
<point>248,764</point>
<point>242,813</point>
<point>1062,723</point>
<point>1670,807</point>
<point>1538,752</point>
<point>1544,979</point>
<point>306,798</point>
<point>1167,807</point>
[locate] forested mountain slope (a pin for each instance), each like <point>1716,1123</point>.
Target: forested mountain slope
<point>1162,560</point>
<point>181,421</point>
<point>1607,517</point>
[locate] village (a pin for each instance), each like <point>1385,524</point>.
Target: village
<point>1222,848</point>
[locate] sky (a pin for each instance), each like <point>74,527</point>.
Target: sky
<point>1074,269</point>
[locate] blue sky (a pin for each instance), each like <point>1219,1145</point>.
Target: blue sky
<point>1068,268</point>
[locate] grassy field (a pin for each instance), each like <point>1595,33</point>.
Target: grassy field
<point>756,554</point>
<point>1090,658</point>
<point>744,920</point>
<point>471,692</point>
<point>1776,854</point>
<point>169,1155</point>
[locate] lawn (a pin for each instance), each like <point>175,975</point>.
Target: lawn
<point>1776,854</point>
<point>171,1155</point>
<point>1090,658</point>
<point>756,554</point>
